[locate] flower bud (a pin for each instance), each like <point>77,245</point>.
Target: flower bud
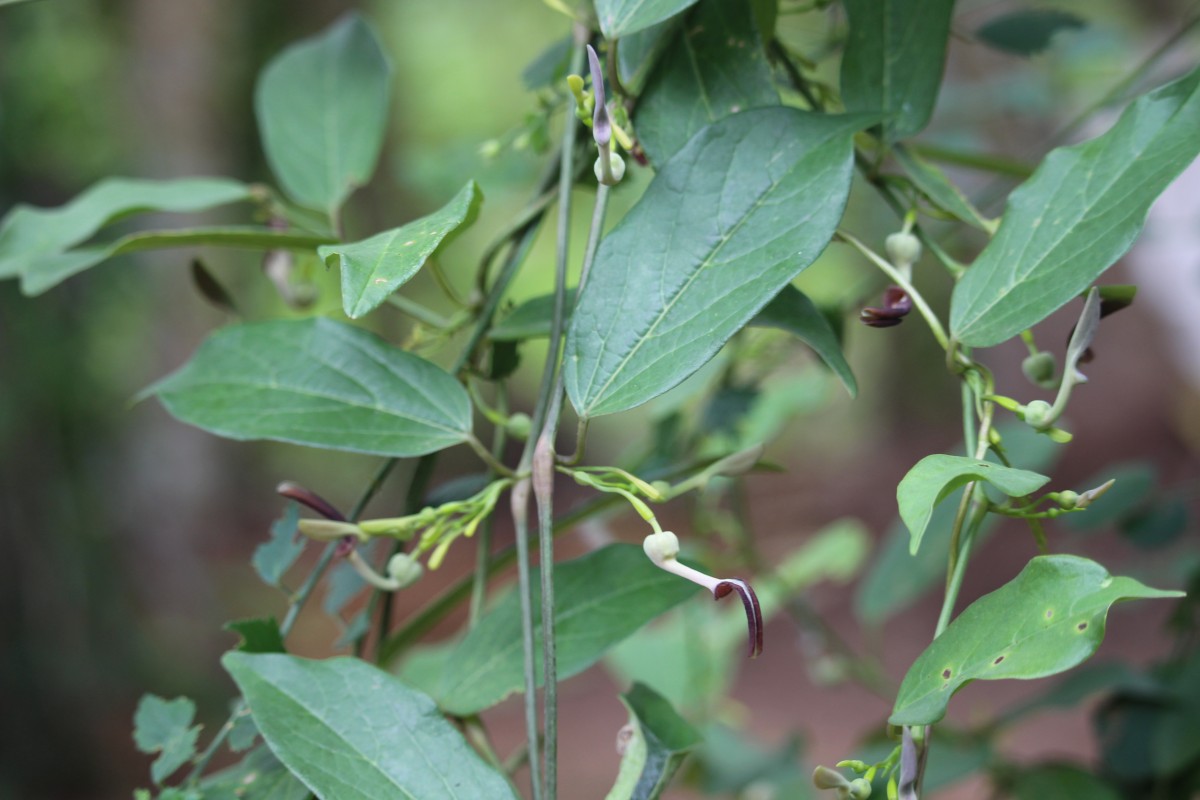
<point>1039,368</point>
<point>903,248</point>
<point>616,169</point>
<point>404,569</point>
<point>519,425</point>
<point>860,789</point>
<point>826,778</point>
<point>661,546</point>
<point>1068,499</point>
<point>328,530</point>
<point>1037,414</point>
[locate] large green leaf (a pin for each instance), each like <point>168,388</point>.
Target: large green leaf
<point>789,311</point>
<point>600,599</point>
<point>898,578</point>
<point>735,215</point>
<point>28,234</point>
<point>1079,213</point>
<point>934,184</point>
<point>322,107</point>
<point>659,740</point>
<point>715,67</point>
<point>622,17</point>
<point>935,477</point>
<point>374,268</point>
<point>895,54</point>
<point>46,272</point>
<point>349,730</point>
<point>320,383</point>
<point>1045,621</point>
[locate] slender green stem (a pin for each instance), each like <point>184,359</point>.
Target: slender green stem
<point>494,464</point>
<point>931,319</point>
<point>985,162</point>
<point>417,311</point>
<point>979,509</point>
<point>483,547</point>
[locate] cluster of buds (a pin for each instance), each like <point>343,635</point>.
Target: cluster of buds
<point>826,778</point>
<point>594,110</point>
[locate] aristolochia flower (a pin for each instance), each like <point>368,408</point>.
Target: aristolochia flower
<point>663,548</point>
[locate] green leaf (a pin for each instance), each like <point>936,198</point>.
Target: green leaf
<point>1043,622</point>
<point>600,599</point>
<point>934,184</point>
<point>548,67</point>
<point>640,52</point>
<point>319,383</point>
<point>1076,687</point>
<point>622,17</point>
<point>893,62</point>
<point>349,730</point>
<point>934,477</point>
<point>274,557</point>
<point>258,776</point>
<point>792,311</point>
<point>898,578</point>
<point>259,635</point>
<point>28,234</point>
<point>1060,782</point>
<point>374,268</point>
<point>243,733</point>
<point>715,67</point>
<point>1028,31</point>
<point>789,311</point>
<point>46,272</point>
<point>1077,215</point>
<point>658,742</point>
<point>322,107</point>
<point>736,214</point>
<point>165,727</point>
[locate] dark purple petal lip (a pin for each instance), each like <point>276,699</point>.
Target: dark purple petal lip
<point>309,498</point>
<point>896,305</point>
<point>754,618</point>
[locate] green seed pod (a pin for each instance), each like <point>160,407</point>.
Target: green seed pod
<point>903,248</point>
<point>1039,368</point>
<point>616,169</point>
<point>860,789</point>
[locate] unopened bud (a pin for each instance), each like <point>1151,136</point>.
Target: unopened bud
<point>616,169</point>
<point>519,425</point>
<point>404,569</point>
<point>903,248</point>
<point>1091,495</point>
<point>1037,413</point>
<point>327,530</point>
<point>1068,499</point>
<point>1039,368</point>
<point>826,778</point>
<point>661,547</point>
<point>859,789</point>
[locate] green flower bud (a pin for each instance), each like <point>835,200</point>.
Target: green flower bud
<point>660,547</point>
<point>860,789</point>
<point>404,569</point>
<point>1037,414</point>
<point>327,530</point>
<point>616,169</point>
<point>1039,368</point>
<point>854,764</point>
<point>826,778</point>
<point>1068,499</point>
<point>519,425</point>
<point>903,248</point>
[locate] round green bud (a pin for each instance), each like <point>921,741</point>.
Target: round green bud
<point>404,569</point>
<point>1039,368</point>
<point>1037,414</point>
<point>661,546</point>
<point>860,789</point>
<point>1068,499</point>
<point>519,425</point>
<point>617,165</point>
<point>903,248</point>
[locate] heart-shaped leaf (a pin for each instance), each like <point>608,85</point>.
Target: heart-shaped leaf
<point>736,214</point>
<point>322,107</point>
<point>894,58</point>
<point>599,599</point>
<point>350,731</point>
<point>319,383</point>
<point>1079,213</point>
<point>1045,621</point>
<point>374,268</point>
<point>716,66</point>
<point>935,477</point>
<point>165,727</point>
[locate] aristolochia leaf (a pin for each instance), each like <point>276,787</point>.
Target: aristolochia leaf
<point>374,268</point>
<point>319,383</point>
<point>1077,215</point>
<point>322,108</point>
<point>1045,621</point>
<point>935,477</point>
<point>353,732</point>
<point>734,216</point>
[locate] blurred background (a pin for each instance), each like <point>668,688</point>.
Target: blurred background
<point>125,536</point>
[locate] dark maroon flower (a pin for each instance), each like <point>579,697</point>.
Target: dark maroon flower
<point>896,305</point>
